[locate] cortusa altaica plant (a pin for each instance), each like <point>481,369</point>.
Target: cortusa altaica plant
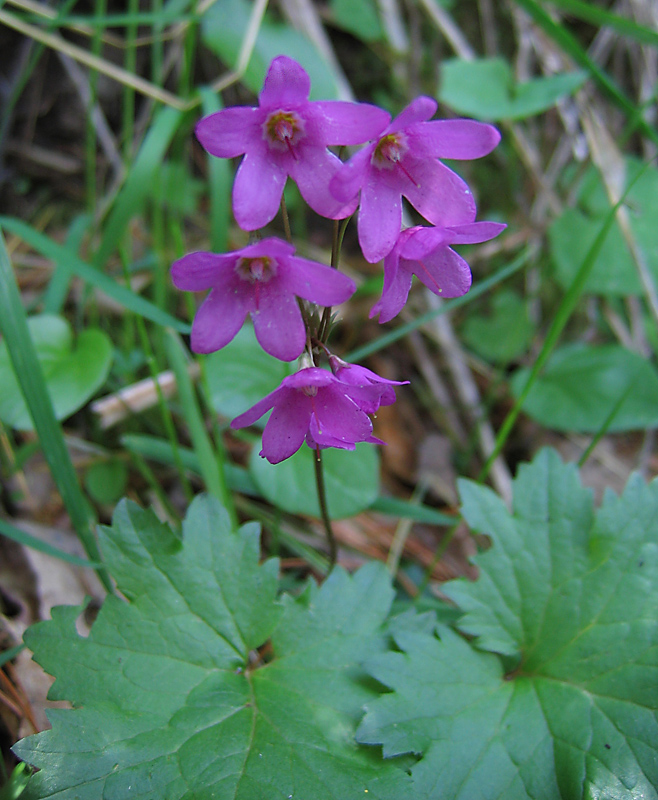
<point>290,298</point>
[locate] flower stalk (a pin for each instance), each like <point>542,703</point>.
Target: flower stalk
<point>324,510</point>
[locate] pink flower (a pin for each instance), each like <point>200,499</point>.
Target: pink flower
<point>425,252</point>
<point>287,135</point>
<point>354,375</point>
<point>315,406</point>
<point>404,161</point>
<point>264,280</point>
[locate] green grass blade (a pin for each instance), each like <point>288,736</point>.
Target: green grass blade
<point>404,509</point>
<point>163,17</point>
<point>58,285</point>
<point>219,179</point>
<point>160,450</point>
<point>9,655</point>
<point>590,12</point>
<point>59,253</point>
<point>13,325</point>
<point>137,187</point>
<point>560,319</point>
<point>399,333</point>
<point>21,537</point>
<point>211,459</point>
<point>607,422</point>
<point>572,46</point>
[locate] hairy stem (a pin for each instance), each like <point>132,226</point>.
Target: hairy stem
<point>322,500</point>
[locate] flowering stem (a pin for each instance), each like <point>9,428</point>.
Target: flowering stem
<point>286,220</point>
<point>336,245</point>
<point>322,500</point>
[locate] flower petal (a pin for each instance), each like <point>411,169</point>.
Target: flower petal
<point>256,411</point>
<point>313,173</point>
<point>318,283</point>
<point>445,273</point>
<point>286,83</point>
<point>257,191</point>
<point>287,426</point>
<point>229,132</point>
<point>198,271</point>
<point>339,417</point>
<point>351,123</point>
<point>278,322</point>
<point>311,376</point>
<point>474,232</point>
<point>315,438</point>
<point>419,110</point>
<point>217,321</point>
<point>397,284</point>
<point>421,240</point>
<point>440,195</point>
<point>349,179</point>
<point>380,217</point>
<point>452,138</point>
<point>270,246</point>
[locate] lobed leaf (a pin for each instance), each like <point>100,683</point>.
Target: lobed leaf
<point>556,696</point>
<point>173,701</point>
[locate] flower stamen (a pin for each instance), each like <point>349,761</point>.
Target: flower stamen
<point>256,270</point>
<point>283,130</point>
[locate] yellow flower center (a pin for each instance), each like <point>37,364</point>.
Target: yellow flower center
<point>390,150</point>
<point>283,130</point>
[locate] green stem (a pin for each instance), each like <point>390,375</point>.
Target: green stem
<point>336,246</point>
<point>286,220</point>
<point>324,512</point>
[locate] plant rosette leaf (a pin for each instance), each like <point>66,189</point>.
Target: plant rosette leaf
<point>172,698</point>
<point>505,333</point>
<point>351,479</point>
<point>589,388</point>
<point>486,89</point>
<point>554,696</point>
<point>72,373</point>
<point>571,235</point>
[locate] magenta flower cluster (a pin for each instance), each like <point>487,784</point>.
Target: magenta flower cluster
<point>288,135</point>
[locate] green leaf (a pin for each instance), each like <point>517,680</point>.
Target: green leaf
<point>172,699</point>
<point>242,373</point>
<point>583,383</point>
<point>505,333</point>
<point>556,696</point>
<point>223,29</point>
<point>351,480</point>
<point>360,18</point>
<point>486,89</point>
<point>72,374</point>
<point>106,481</point>
<point>572,233</point>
